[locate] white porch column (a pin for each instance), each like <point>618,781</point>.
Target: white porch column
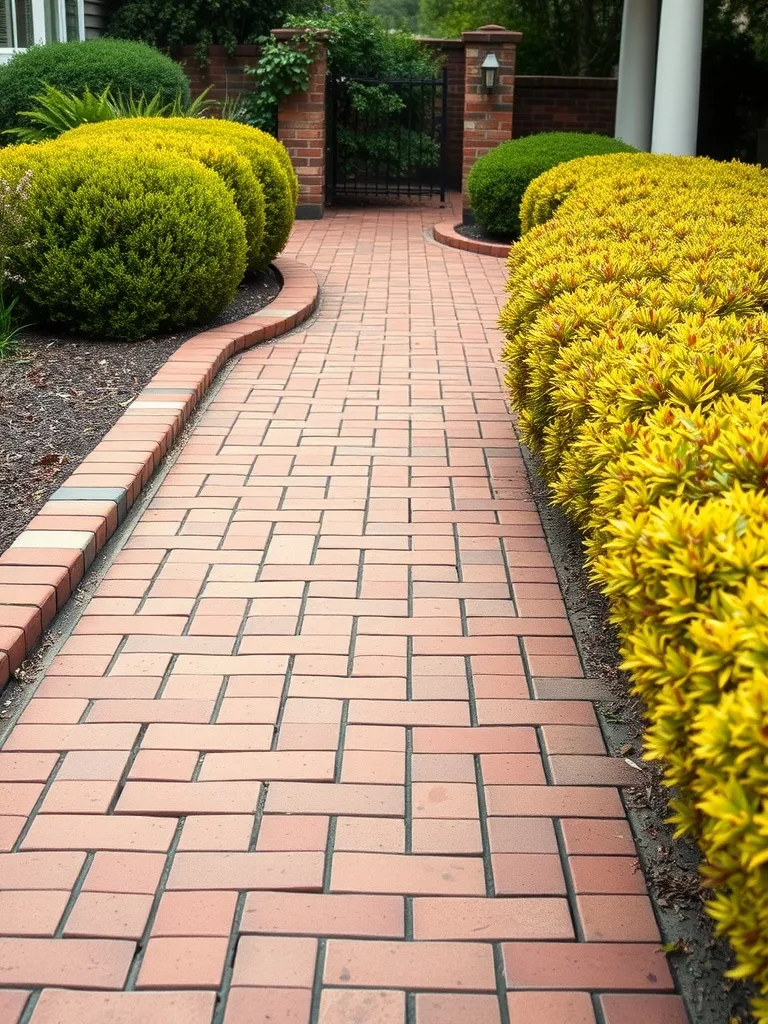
<point>678,71</point>
<point>637,72</point>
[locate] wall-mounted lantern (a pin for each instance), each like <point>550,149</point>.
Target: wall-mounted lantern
<point>490,69</point>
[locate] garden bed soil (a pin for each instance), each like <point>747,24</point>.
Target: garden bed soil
<point>698,960</point>
<point>478,234</point>
<point>59,395</point>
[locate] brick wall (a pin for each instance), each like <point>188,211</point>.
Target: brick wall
<point>550,104</point>
<point>301,125</point>
<point>541,102</point>
<point>224,72</point>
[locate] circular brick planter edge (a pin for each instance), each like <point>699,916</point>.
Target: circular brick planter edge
<point>447,234</point>
<point>42,567</point>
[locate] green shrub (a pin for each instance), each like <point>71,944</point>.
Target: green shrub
<point>153,134</point>
<point>125,243</point>
<point>269,161</point>
<point>497,181</point>
<point>124,67</point>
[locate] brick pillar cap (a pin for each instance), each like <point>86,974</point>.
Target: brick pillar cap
<point>492,34</point>
<point>282,34</point>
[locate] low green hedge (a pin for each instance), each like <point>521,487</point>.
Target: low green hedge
<point>123,242</point>
<point>271,165</point>
<point>156,133</point>
<point>126,67</point>
<point>497,181</point>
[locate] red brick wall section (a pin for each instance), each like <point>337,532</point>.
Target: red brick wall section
<point>552,104</point>
<point>224,72</point>
<point>301,128</point>
<point>487,116</point>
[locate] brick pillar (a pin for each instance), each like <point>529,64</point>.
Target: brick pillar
<point>487,116</point>
<point>301,126</point>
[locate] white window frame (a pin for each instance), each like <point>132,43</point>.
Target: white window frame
<point>38,25</point>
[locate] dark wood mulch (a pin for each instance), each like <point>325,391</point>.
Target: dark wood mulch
<point>480,235</point>
<point>60,394</point>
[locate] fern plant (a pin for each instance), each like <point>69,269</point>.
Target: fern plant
<point>57,111</point>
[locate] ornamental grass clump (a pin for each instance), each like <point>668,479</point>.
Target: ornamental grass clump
<point>637,355</point>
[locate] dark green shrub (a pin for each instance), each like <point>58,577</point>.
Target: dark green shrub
<point>125,243</point>
<point>498,180</point>
<point>269,161</point>
<point>125,67</point>
<point>171,23</point>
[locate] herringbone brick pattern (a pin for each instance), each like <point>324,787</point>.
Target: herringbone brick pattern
<point>319,749</point>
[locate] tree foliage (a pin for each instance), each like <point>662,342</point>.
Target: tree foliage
<point>561,37</point>
<point>581,37</point>
<point>167,24</point>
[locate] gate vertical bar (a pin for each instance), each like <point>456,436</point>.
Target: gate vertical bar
<point>444,135</point>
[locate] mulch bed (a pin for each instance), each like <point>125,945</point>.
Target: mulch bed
<point>479,235</point>
<point>60,394</point>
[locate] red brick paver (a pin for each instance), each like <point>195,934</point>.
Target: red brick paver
<point>319,749</point>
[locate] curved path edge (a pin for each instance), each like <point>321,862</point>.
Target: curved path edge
<point>42,567</point>
<point>446,234</point>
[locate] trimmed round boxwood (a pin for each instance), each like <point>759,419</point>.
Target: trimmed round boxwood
<point>271,165</point>
<point>124,243</point>
<point>152,134</point>
<point>128,67</point>
<point>498,180</point>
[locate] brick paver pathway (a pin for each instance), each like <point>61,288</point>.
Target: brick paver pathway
<point>310,753</point>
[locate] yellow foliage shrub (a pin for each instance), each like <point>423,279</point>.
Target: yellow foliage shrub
<point>637,356</point>
<point>234,170</point>
<point>269,161</point>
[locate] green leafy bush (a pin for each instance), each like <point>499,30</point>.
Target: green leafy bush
<point>359,44</point>
<point>271,165</point>
<point>127,68</point>
<point>153,134</point>
<point>125,243</point>
<point>171,23</point>
<point>497,181</point>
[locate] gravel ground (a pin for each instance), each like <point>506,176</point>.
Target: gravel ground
<point>60,394</point>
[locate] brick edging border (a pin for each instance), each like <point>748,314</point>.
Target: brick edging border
<point>45,563</point>
<point>447,234</point>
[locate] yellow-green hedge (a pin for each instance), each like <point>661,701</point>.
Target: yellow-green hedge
<point>268,159</point>
<point>235,170</point>
<point>637,353</point>
<point>119,243</point>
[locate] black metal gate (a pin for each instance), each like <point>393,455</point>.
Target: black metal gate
<point>386,137</point>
